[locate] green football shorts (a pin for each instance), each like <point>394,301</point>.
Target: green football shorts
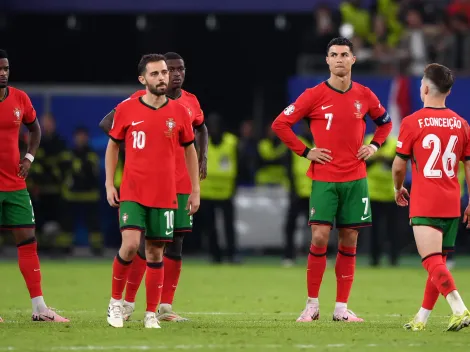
<point>16,210</point>
<point>448,226</point>
<point>346,202</point>
<point>183,221</point>
<point>157,223</point>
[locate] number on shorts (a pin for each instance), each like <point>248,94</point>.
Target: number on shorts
<point>139,139</point>
<point>329,117</point>
<point>448,159</point>
<point>170,219</point>
<point>366,207</point>
<point>191,220</point>
<point>32,210</point>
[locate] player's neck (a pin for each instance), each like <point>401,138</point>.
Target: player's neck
<point>340,83</point>
<point>174,93</point>
<point>156,101</point>
<point>434,102</point>
<point>3,92</point>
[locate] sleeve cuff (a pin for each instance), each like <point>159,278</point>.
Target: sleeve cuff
<point>403,156</point>
<point>467,158</point>
<point>187,143</point>
<point>199,126</point>
<point>30,123</point>
<point>375,144</point>
<point>115,139</point>
<point>306,151</point>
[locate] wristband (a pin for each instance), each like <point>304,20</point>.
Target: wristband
<point>29,156</point>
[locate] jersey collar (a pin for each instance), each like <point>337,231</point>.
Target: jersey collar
<point>337,90</point>
<point>430,107</point>
<point>152,107</point>
<point>7,92</point>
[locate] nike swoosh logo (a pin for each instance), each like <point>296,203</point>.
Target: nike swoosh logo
<point>168,232</point>
<point>160,286</point>
<point>115,278</point>
<point>346,276</point>
<point>37,269</point>
<point>364,218</point>
<point>326,107</point>
<point>136,123</point>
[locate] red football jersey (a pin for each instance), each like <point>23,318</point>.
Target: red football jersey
<point>337,123</point>
<point>183,181</point>
<point>151,137</point>
<point>435,140</point>
<point>15,109</point>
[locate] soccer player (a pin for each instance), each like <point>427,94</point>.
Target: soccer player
<point>435,138</point>
<point>172,259</point>
<point>335,111</point>
<point>152,127</point>
<point>16,210</point>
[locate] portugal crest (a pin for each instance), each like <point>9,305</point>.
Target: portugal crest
<point>17,113</point>
<point>171,124</point>
<point>358,106</point>
<point>125,217</point>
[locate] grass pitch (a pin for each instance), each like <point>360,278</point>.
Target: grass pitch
<point>251,307</point>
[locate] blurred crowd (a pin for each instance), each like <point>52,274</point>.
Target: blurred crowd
<point>393,36</point>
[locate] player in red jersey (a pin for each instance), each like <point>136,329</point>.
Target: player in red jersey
<point>335,110</point>
<point>152,127</point>
<point>436,139</point>
<point>183,223</point>
<point>16,210</point>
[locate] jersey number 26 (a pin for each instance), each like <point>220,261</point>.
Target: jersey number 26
<point>448,158</point>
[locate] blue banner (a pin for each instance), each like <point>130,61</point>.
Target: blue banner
<point>174,6</point>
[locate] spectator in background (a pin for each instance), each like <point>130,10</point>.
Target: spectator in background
<point>273,154</point>
<point>247,155</point>
<point>46,180</point>
<point>324,27</point>
<point>359,18</point>
<point>81,192</point>
<point>218,190</point>
<point>415,44</point>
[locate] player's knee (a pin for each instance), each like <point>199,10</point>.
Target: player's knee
<point>348,237</point>
<point>175,248</point>
<point>320,235</point>
<point>24,236</point>
<point>154,251</point>
<point>130,245</point>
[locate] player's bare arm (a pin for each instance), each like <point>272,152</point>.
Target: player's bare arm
<point>399,173</point>
<point>190,155</point>
<point>107,122</point>
<point>33,145</point>
<point>202,139</point>
<point>111,160</point>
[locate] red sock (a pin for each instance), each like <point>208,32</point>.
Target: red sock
<point>316,265</point>
<point>440,275</point>
<point>120,271</point>
<point>134,279</point>
<point>431,293</point>
<point>345,266</point>
<point>28,261</point>
<point>172,275</point>
<point>154,285</point>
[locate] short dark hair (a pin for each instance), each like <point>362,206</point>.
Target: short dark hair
<point>3,54</point>
<point>340,41</point>
<point>173,56</point>
<point>148,58</point>
<point>440,76</point>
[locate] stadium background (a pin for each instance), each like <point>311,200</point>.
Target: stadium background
<point>246,61</point>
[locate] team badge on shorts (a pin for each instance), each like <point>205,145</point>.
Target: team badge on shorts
<point>358,107</point>
<point>312,211</point>
<point>171,124</point>
<point>125,217</point>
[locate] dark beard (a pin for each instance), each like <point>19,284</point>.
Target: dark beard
<point>157,90</point>
<point>3,85</point>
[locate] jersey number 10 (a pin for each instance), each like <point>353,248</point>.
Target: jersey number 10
<point>448,158</point>
<point>139,139</point>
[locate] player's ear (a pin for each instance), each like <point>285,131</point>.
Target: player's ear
<point>353,59</point>
<point>142,80</point>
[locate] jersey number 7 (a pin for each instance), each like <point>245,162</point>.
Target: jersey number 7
<point>448,158</point>
<point>329,117</point>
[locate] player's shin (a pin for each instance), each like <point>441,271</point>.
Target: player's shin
<point>155,274</point>
<point>316,265</point>
<point>28,262</point>
<point>172,260</point>
<point>134,279</point>
<point>345,267</point>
